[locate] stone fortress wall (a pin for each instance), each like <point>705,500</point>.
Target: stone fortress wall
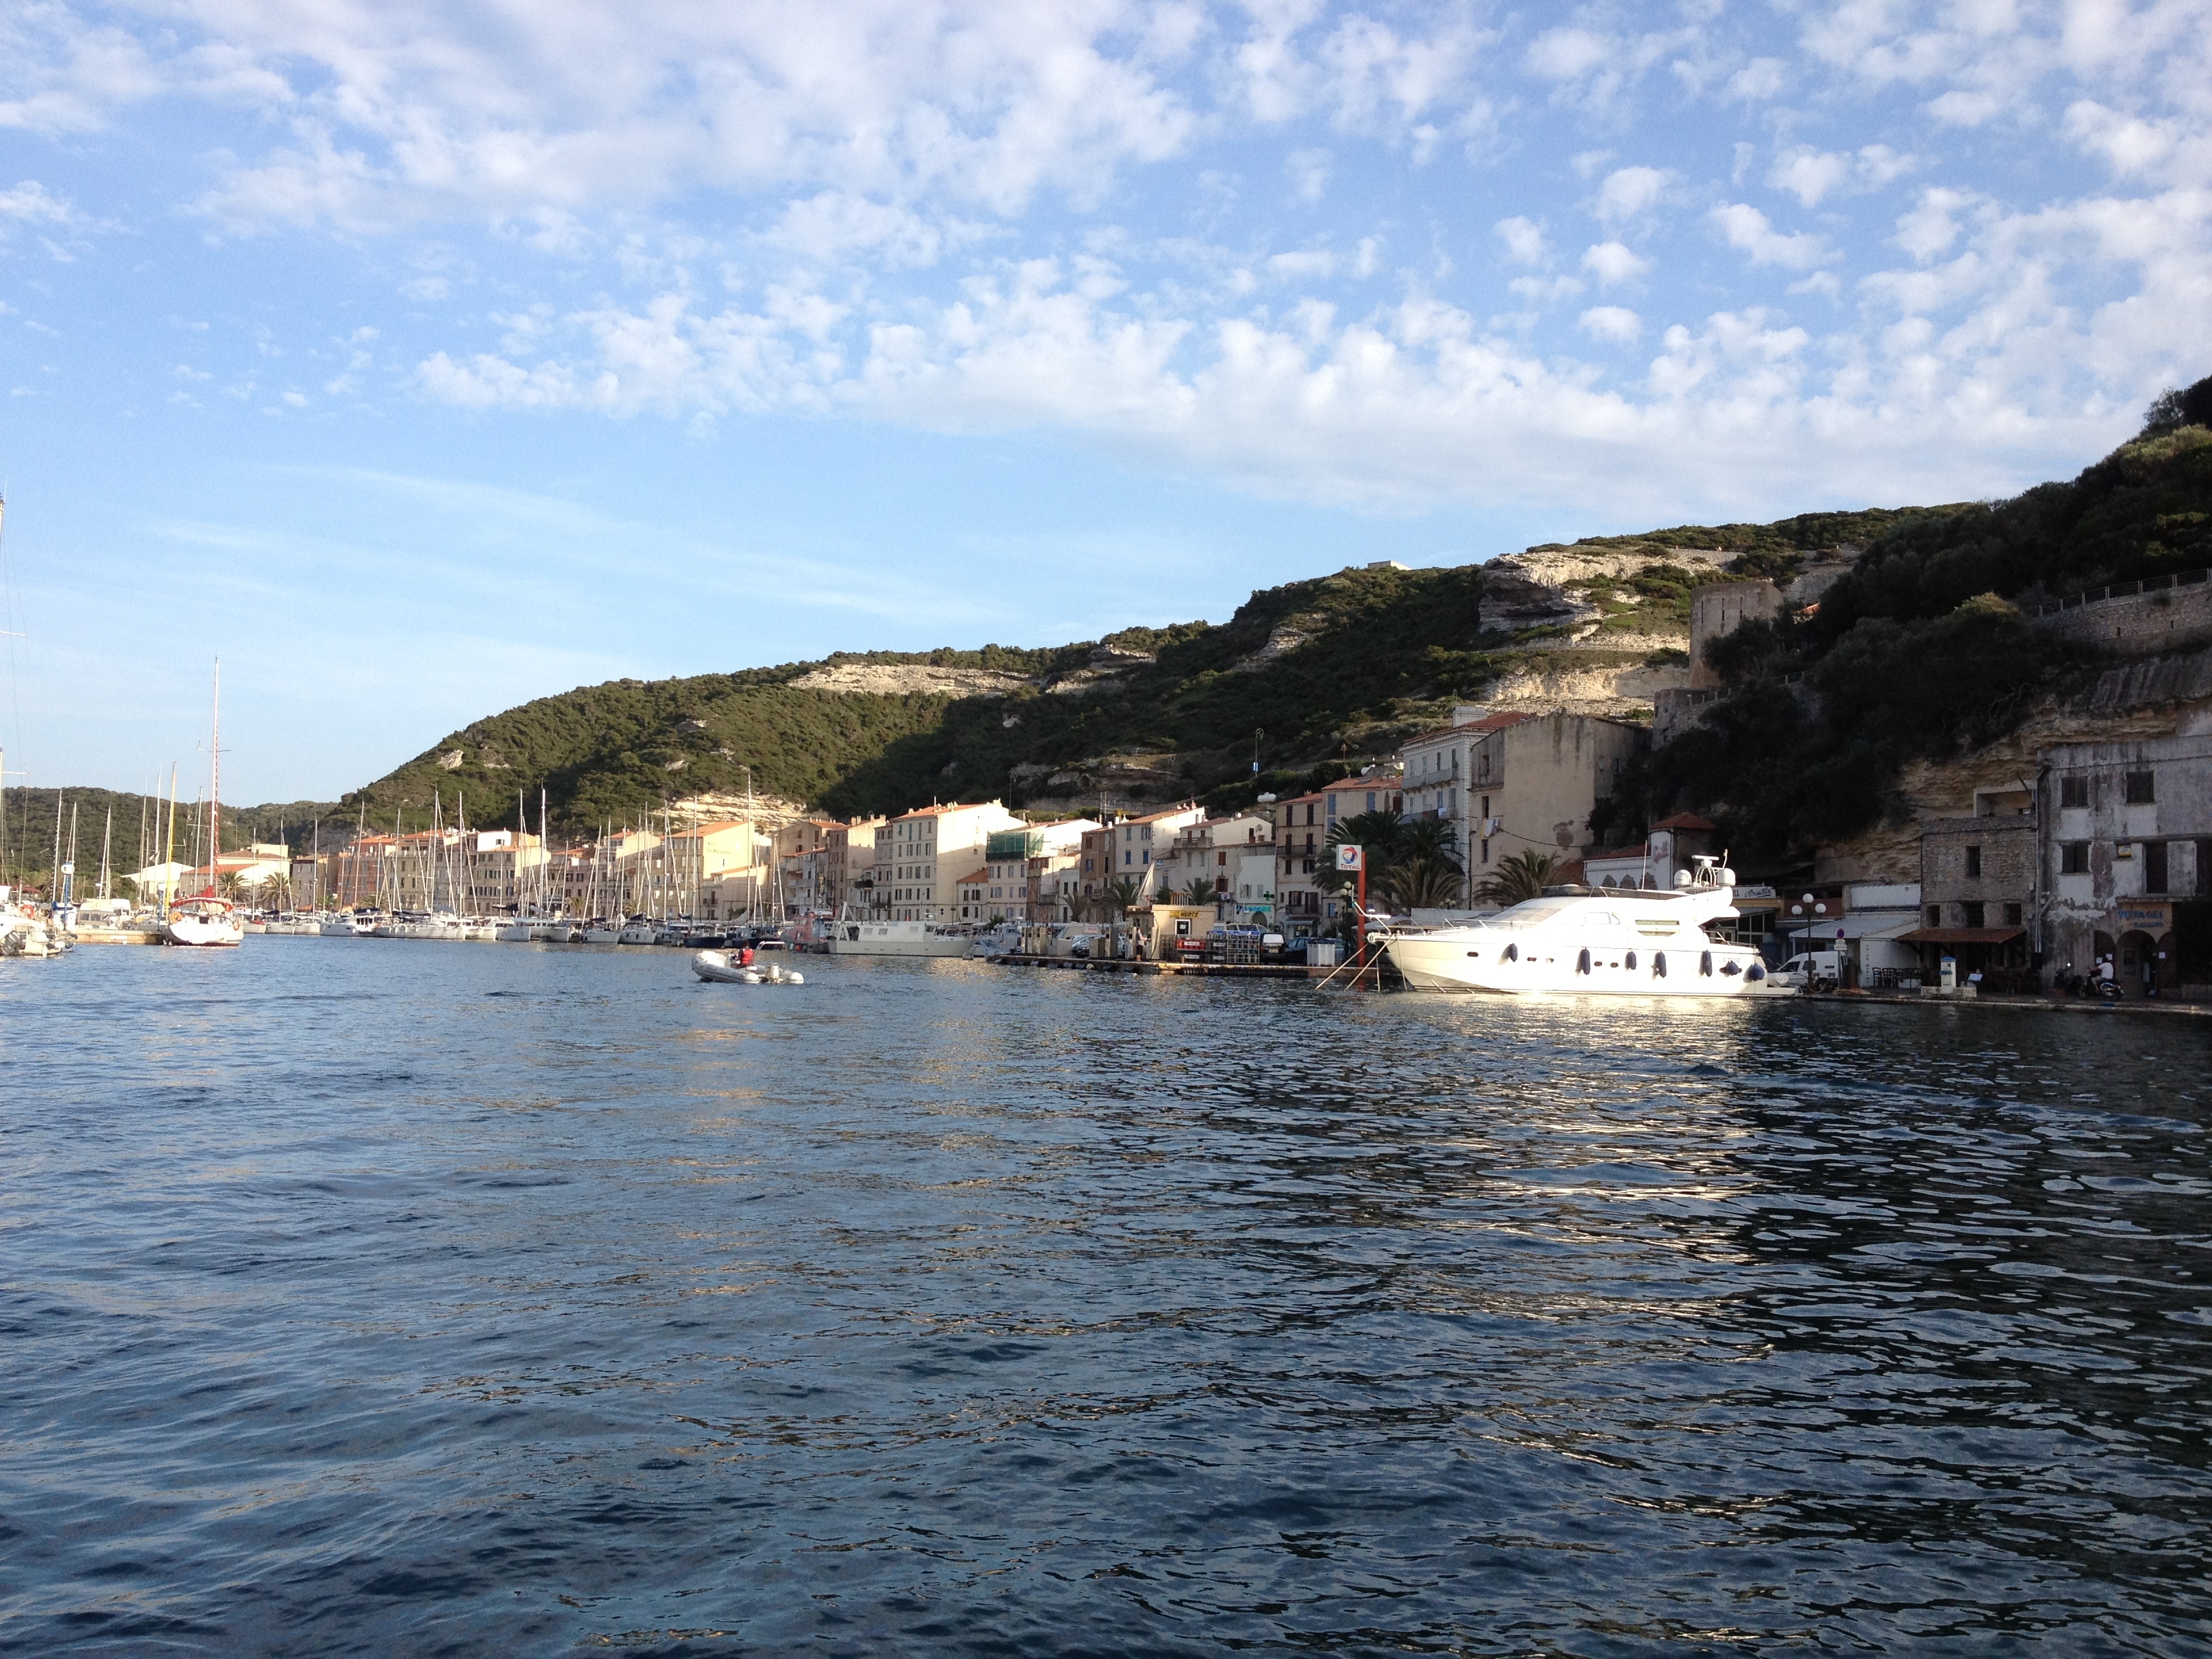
<point>2149,618</point>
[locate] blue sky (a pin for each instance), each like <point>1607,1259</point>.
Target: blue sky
<point>420,359</point>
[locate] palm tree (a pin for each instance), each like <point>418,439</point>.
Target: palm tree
<point>1523,876</point>
<point>1200,891</point>
<point>1427,883</point>
<point>1123,895</point>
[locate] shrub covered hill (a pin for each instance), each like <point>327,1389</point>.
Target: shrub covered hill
<point>1919,651</point>
<point>1312,678</point>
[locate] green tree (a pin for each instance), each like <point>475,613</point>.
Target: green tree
<point>1200,891</point>
<point>1523,876</point>
<point>1123,895</point>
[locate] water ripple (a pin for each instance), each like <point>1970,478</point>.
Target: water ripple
<point>383,1297</point>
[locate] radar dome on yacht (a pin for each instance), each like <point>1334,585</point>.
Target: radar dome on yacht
<point>1681,878</point>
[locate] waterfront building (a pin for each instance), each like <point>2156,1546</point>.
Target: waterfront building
<point>849,866</point>
<point>1135,843</point>
<point>920,857</point>
<point>2125,858</point>
<point>1213,850</point>
<point>1029,869</point>
<point>1977,894</point>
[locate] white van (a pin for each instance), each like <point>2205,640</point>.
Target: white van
<point>1822,971</point>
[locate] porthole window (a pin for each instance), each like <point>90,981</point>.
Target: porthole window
<point>1475,956</point>
<point>1583,962</point>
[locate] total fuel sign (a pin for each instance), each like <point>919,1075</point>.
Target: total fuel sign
<point>1349,858</point>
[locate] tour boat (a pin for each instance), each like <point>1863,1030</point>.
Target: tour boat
<point>898,938</point>
<point>205,920</point>
<point>1608,943</point>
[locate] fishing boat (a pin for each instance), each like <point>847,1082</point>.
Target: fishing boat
<point>203,919</point>
<point>1625,942</point>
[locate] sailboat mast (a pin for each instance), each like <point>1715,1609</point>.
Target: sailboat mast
<point>214,786</point>
<point>107,847</point>
<point>169,851</point>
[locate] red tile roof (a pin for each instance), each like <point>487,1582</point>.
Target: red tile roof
<point>1683,821</point>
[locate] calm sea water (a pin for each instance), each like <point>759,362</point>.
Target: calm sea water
<point>393,1298</point>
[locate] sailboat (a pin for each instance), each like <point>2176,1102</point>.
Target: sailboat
<point>207,917</point>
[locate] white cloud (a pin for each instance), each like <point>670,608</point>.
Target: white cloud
<point>1808,174</point>
<point>1568,54</point>
<point>832,227</point>
<point>31,204</point>
<point>1612,323</point>
<point>1309,171</point>
<point>1630,193</point>
<point>1812,174</point>
<point>1613,263</point>
<point>1544,290</point>
<point>1759,80</point>
<point>1523,239</point>
<point>1751,232</point>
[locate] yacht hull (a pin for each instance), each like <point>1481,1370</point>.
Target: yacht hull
<point>1467,962</point>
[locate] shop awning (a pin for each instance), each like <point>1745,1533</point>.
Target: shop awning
<point>1962,936</point>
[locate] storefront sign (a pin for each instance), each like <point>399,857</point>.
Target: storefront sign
<point>2148,918</point>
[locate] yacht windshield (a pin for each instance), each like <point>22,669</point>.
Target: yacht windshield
<point>1530,912</point>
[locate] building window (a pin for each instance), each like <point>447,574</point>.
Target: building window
<point>2074,790</point>
<point>1332,806</point>
<point>2012,915</point>
<point>1974,913</point>
<point>1974,863</point>
<point>2074,858</point>
<point>2142,788</point>
<point>2154,873</point>
<point>1935,915</point>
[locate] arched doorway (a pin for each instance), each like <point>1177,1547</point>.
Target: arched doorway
<point>2138,963</point>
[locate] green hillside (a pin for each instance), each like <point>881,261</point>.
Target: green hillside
<point>1923,650</point>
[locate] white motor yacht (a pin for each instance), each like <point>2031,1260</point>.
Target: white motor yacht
<point>899,939</point>
<point>1625,943</point>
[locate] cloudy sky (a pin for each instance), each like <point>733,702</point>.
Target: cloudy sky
<point>419,359</point>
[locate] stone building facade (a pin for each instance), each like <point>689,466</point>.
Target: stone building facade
<point>2128,857</point>
<point>1977,895</point>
